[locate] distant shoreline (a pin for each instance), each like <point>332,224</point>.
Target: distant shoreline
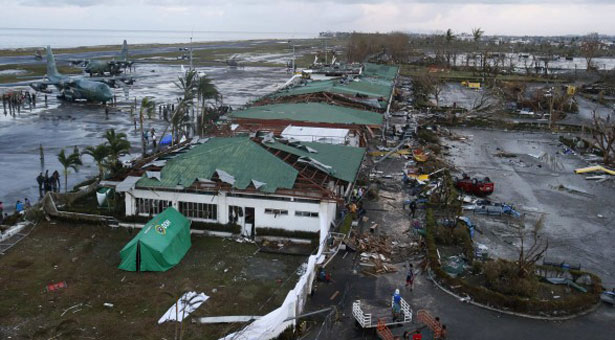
<point>30,39</point>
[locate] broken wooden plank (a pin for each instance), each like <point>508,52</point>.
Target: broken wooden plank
<point>337,292</point>
<point>227,319</point>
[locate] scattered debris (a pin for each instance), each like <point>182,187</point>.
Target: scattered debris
<point>185,305</point>
<point>56,286</point>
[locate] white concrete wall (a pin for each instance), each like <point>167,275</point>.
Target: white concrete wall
<point>326,210</point>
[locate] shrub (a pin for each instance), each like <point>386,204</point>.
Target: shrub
<point>503,277</point>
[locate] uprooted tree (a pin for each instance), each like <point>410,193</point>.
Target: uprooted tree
<point>603,134</point>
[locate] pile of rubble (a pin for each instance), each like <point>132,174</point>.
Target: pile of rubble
<point>375,252</point>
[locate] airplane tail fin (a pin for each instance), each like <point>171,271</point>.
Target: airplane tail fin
<point>124,53</point>
<point>52,70</point>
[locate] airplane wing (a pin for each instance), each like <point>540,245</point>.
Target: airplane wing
<point>79,62</point>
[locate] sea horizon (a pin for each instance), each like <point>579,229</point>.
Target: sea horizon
<point>15,38</point>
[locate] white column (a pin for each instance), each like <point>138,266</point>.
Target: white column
<point>222,208</point>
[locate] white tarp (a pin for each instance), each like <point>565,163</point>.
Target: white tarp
<point>187,304</point>
<point>316,134</point>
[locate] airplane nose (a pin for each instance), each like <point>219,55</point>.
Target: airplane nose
<point>107,94</point>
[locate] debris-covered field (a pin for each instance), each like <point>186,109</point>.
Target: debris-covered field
<point>538,179</point>
<point>100,301</point>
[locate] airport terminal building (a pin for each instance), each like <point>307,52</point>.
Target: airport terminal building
<point>254,183</point>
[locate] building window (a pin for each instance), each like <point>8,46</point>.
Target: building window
<point>276,212</point>
<point>148,206</point>
<point>306,214</point>
<point>199,210</point>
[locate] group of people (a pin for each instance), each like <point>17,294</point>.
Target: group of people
<point>48,183</point>
<point>152,133</point>
<point>165,111</point>
<point>13,101</point>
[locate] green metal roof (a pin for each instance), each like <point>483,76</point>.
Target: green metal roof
<point>376,81</point>
<point>387,72</point>
<point>369,87</point>
<point>311,112</point>
<point>340,161</point>
<point>240,157</point>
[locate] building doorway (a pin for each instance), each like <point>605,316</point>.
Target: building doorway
<point>249,222</point>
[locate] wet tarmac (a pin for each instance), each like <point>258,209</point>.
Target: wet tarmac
<point>65,125</point>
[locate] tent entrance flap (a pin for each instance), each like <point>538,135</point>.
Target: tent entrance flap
<point>160,245</point>
<point>138,257</point>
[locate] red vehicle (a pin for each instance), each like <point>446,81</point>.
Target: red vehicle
<point>479,187</point>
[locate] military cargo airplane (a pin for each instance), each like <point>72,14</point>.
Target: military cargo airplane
<point>102,67</point>
<point>73,88</point>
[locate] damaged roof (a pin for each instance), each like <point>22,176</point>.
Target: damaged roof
<point>386,72</point>
<point>311,112</point>
<point>366,87</point>
<point>339,161</point>
<point>376,81</point>
<point>236,160</point>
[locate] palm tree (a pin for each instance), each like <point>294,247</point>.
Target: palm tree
<point>188,85</point>
<point>449,37</point>
<point>117,144</point>
<point>71,161</point>
<point>206,90</point>
<point>100,154</point>
<point>148,108</point>
<point>477,33</point>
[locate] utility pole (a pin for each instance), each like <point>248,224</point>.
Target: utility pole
<point>42,156</point>
<point>191,67</point>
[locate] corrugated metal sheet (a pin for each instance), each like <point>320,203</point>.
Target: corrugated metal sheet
<point>344,161</point>
<point>239,157</point>
<point>311,112</point>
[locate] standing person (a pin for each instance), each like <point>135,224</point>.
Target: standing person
<point>1,209</point>
<point>45,100</point>
<point>135,121</point>
<point>396,308</point>
<point>106,112</point>
<point>19,207</point>
<point>413,208</point>
<point>56,180</point>
<point>154,140</point>
<point>40,180</point>
<point>27,202</point>
<point>47,182</point>
<point>410,277</point>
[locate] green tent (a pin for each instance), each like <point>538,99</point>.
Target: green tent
<point>160,245</point>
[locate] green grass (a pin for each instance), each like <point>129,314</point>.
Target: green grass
<point>86,257</point>
<point>463,75</point>
<point>32,70</point>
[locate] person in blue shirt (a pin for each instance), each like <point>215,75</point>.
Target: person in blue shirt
<point>19,207</point>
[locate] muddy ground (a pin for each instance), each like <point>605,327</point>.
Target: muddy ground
<point>579,219</point>
<point>86,258</point>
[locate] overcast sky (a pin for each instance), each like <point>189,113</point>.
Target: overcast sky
<point>521,17</point>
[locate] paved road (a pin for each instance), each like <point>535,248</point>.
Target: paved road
<point>463,320</point>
